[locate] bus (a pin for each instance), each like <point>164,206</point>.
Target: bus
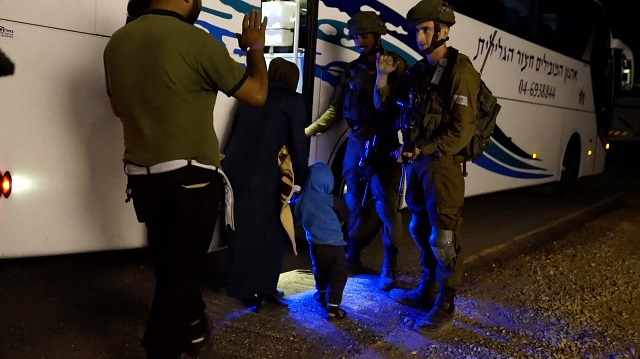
<point>549,63</point>
<point>625,125</point>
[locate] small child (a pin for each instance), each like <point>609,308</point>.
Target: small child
<point>321,214</point>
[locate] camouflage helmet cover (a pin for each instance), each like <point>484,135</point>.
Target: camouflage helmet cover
<point>365,22</point>
<point>427,10</point>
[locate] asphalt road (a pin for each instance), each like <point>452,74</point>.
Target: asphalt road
<point>95,305</point>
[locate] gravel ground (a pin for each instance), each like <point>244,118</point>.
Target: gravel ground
<point>570,296</point>
<point>567,292</point>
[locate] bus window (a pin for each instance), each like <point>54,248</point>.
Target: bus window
<point>512,16</point>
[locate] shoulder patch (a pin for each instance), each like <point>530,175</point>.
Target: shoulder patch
<point>461,100</point>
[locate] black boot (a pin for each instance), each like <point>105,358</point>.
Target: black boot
<point>422,297</point>
<point>389,270</point>
<point>440,317</point>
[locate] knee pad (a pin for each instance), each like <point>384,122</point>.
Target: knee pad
<point>443,248</point>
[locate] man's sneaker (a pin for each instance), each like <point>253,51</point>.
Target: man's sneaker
<point>435,322</point>
<point>415,298</point>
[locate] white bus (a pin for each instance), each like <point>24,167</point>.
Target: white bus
<point>548,62</point>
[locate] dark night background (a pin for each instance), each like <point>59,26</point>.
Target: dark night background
<point>624,25</point>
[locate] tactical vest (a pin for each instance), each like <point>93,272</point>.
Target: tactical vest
<point>420,75</point>
<point>358,107</point>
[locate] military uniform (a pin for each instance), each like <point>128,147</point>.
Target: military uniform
<point>435,183</point>
<point>354,100</point>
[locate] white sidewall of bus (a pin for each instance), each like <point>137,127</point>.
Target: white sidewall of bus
<point>60,140</point>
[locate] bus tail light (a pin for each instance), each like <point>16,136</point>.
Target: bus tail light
<point>6,184</point>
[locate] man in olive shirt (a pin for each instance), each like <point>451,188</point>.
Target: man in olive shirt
<point>163,75</point>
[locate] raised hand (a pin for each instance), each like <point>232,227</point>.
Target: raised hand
<point>253,31</point>
<point>385,64</point>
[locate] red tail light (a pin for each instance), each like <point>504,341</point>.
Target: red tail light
<point>6,184</point>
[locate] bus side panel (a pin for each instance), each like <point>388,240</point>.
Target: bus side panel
<point>101,17</point>
<point>510,171</point>
<point>69,15</point>
<point>63,147</point>
<point>545,96</point>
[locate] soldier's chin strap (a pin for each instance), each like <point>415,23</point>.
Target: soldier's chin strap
<point>435,43</point>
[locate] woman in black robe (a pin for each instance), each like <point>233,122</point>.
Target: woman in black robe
<point>259,241</point>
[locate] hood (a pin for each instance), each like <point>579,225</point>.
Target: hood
<point>320,178</point>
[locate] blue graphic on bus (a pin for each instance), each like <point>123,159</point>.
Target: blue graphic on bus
<point>493,166</point>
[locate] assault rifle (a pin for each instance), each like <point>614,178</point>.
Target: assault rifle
<point>414,110</point>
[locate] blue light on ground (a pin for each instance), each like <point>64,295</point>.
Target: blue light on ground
<point>481,325</point>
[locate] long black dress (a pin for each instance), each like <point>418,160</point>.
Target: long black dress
<point>258,244</point>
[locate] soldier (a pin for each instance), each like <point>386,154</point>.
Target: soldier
<point>435,184</point>
<point>353,99</point>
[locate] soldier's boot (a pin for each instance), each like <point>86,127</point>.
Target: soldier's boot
<point>422,297</point>
<point>440,317</point>
<point>354,265</point>
<point>389,270</point>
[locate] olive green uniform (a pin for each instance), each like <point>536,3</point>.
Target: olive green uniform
<point>354,101</point>
<point>439,117</point>
<point>435,184</point>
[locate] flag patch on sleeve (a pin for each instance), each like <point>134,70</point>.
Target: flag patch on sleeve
<point>460,100</point>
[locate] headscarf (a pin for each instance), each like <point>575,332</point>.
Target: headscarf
<point>284,72</point>
<point>135,8</point>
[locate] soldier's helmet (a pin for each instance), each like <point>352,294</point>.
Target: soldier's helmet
<point>366,22</point>
<point>427,10</point>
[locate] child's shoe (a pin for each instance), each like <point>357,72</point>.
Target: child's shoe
<point>335,312</point>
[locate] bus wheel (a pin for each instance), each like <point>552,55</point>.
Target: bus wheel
<point>570,166</point>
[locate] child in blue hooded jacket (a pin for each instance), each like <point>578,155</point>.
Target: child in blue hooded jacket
<point>321,214</point>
